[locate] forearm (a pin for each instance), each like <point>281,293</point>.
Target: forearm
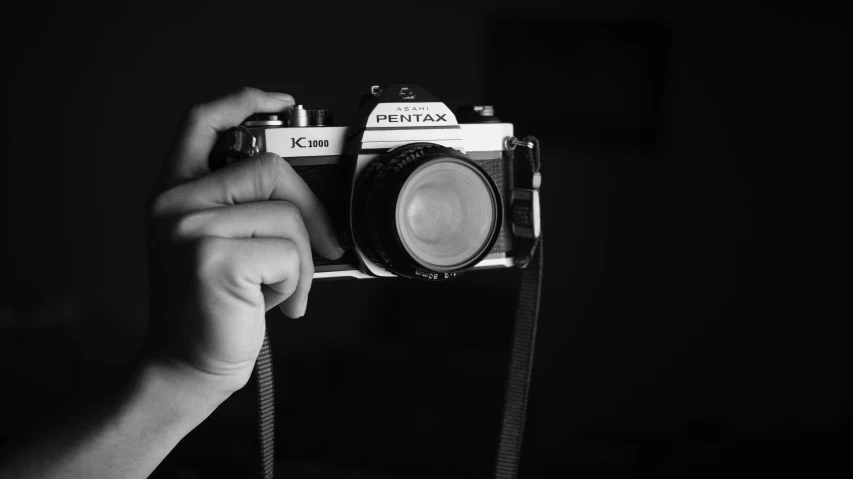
<point>124,431</point>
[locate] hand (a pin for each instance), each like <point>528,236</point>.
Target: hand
<point>227,246</point>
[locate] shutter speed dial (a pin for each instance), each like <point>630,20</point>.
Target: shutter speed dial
<point>299,116</point>
<point>321,117</point>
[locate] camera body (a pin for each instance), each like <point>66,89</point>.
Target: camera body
<point>413,189</point>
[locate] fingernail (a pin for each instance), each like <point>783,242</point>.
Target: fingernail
<point>340,241</point>
<point>300,312</point>
<point>283,96</point>
<point>303,308</point>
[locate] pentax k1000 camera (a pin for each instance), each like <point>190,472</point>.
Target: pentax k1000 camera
<point>415,190</point>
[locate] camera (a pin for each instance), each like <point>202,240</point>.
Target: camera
<point>413,189</point>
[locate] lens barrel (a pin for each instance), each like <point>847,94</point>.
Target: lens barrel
<point>425,211</point>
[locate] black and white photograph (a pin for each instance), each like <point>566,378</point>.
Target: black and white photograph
<point>304,240</point>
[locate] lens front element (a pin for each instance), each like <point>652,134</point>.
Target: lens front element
<point>445,214</point>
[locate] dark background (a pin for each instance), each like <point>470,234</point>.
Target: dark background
<point>686,327</point>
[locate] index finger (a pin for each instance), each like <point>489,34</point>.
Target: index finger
<point>203,123</point>
<point>261,178</point>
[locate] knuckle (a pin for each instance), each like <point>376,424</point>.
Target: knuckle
<point>248,92</point>
<point>249,96</point>
<point>161,207</point>
<point>211,256</point>
<point>274,165</point>
<point>189,225</point>
<point>266,163</point>
<point>195,114</point>
<point>289,211</point>
<point>269,169</point>
<point>290,250</point>
<point>290,287</point>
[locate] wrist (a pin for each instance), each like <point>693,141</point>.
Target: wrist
<point>202,373</point>
<point>187,388</point>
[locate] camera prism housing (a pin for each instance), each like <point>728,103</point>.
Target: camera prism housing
<point>413,189</point>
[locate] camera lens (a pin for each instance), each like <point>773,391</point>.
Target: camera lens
<point>426,209</point>
<point>445,214</point>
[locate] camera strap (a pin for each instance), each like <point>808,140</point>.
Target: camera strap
<point>526,226</point>
<point>266,408</point>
